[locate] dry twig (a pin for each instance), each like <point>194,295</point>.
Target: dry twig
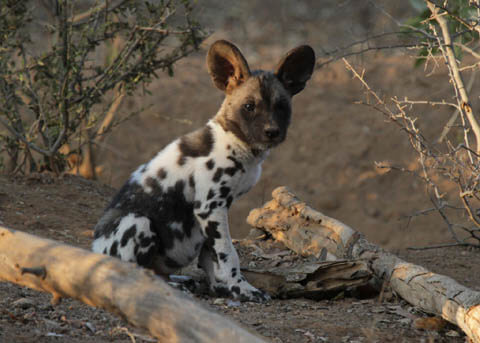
<point>433,161</point>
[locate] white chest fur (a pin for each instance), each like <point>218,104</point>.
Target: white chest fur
<point>228,149</point>
<point>249,179</point>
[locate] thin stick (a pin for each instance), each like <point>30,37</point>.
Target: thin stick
<point>454,116</point>
<point>439,246</point>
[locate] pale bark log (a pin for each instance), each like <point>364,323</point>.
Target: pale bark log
<point>119,287</point>
<point>307,231</point>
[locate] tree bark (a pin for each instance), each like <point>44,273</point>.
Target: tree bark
<point>122,288</point>
<point>307,231</point>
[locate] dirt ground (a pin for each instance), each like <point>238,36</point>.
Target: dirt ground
<point>66,209</point>
<point>327,160</point>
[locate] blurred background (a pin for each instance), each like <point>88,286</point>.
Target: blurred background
<point>329,156</point>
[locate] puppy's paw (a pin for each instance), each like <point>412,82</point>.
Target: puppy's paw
<point>242,291</point>
<point>256,296</point>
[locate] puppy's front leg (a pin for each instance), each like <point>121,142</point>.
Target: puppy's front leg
<point>219,259</point>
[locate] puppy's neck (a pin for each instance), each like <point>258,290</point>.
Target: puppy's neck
<point>227,134</point>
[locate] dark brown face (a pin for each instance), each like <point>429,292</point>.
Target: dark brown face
<point>259,111</point>
<point>257,106</point>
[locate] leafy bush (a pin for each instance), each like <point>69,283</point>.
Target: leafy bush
<point>59,92</point>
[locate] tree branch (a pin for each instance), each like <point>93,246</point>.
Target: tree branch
<point>464,102</point>
<point>455,114</point>
<point>23,139</point>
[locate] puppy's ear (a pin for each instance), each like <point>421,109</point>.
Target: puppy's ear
<point>227,66</point>
<point>295,69</point>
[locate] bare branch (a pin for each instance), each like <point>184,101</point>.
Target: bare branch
<point>364,50</point>
<point>464,197</point>
<point>469,26</point>
<point>64,105</point>
<point>85,16</point>
<point>119,95</point>
<point>162,31</point>
<point>448,164</point>
<point>400,24</point>
<point>440,246</point>
<point>454,116</point>
<point>445,219</point>
<point>427,102</point>
<point>455,73</point>
<point>23,139</point>
<point>467,49</point>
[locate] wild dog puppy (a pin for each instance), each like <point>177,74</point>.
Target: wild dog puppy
<point>174,208</point>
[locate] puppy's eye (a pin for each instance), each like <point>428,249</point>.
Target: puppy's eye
<point>249,106</point>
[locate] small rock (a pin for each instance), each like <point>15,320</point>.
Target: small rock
<point>59,314</point>
<point>23,303</point>
<point>232,303</point>
<point>405,321</point>
<point>52,325</point>
<point>29,316</point>
<point>309,335</point>
<point>90,327</point>
<point>452,333</point>
<point>219,301</point>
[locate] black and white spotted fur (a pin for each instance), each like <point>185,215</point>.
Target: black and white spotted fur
<point>174,208</point>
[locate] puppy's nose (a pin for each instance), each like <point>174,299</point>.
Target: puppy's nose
<point>272,132</point>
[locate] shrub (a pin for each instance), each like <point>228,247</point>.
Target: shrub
<point>60,92</point>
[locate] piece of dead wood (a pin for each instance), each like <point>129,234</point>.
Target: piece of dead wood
<point>313,280</point>
<point>269,265</point>
<point>307,231</point>
<point>123,288</point>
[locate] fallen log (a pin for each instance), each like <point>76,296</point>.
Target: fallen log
<point>123,288</point>
<point>307,231</point>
